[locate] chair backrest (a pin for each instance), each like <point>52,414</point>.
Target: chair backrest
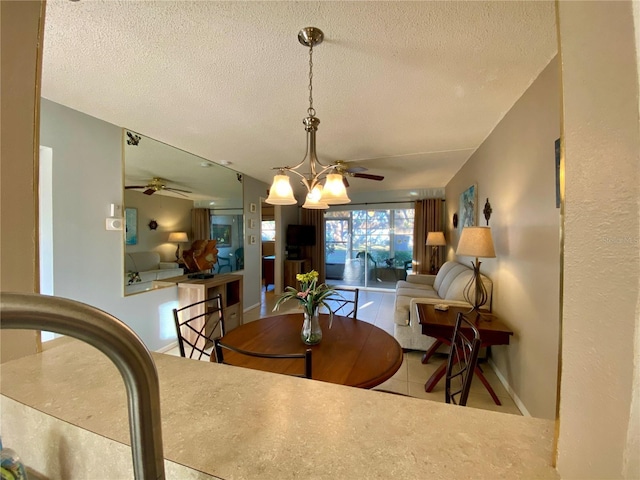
<point>197,325</point>
<point>239,254</point>
<point>219,346</point>
<point>344,302</point>
<point>462,361</point>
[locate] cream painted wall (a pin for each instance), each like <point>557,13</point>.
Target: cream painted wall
<point>602,231</point>
<point>88,260</point>
<point>515,169</point>
<point>254,192</point>
<point>20,27</point>
<point>172,214</point>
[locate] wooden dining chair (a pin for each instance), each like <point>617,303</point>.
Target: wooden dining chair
<point>344,302</point>
<point>197,325</point>
<point>219,346</point>
<point>462,361</point>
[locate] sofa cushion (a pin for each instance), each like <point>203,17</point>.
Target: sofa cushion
<point>168,273</point>
<point>444,270</point>
<point>450,276</point>
<point>416,292</point>
<point>401,316</point>
<point>413,285</point>
<point>141,261</point>
<point>456,289</point>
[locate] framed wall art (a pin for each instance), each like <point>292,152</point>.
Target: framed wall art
<point>131,226</point>
<point>468,207</point>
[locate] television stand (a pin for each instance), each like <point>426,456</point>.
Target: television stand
<point>294,253</point>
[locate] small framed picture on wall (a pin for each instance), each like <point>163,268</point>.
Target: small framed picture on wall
<point>468,207</point>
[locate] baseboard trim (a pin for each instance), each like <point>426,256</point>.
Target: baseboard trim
<point>510,390</point>
<point>166,348</point>
<point>255,305</point>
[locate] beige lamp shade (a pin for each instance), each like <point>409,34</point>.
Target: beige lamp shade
<point>178,237</point>
<point>476,242</point>
<point>436,239</point>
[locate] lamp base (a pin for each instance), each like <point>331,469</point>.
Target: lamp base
<point>475,292</point>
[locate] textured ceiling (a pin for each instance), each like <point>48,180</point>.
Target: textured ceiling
<point>408,90</point>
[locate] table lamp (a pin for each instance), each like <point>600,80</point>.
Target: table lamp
<point>476,242</point>
<point>178,238</point>
<point>435,240</point>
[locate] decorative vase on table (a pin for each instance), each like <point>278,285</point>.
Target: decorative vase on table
<point>311,332</point>
<point>311,297</point>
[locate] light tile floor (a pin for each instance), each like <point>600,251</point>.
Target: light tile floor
<point>376,307</point>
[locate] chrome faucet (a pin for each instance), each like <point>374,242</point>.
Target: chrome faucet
<point>118,342</point>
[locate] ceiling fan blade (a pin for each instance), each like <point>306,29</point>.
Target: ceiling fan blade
<point>356,169</point>
<point>136,186</point>
<point>149,191</point>
<point>177,190</point>
<point>368,176</point>
<point>345,181</point>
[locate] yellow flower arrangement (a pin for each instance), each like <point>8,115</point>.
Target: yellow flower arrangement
<point>311,295</point>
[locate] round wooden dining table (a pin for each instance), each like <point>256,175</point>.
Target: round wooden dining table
<point>352,352</point>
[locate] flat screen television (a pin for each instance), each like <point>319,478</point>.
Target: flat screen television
<point>301,235</point>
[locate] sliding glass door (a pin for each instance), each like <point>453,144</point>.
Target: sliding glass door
<point>368,248</point>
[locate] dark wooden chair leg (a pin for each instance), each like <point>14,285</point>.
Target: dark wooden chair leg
<point>487,385</point>
<point>435,378</point>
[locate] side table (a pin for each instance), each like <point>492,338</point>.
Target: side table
<point>440,325</point>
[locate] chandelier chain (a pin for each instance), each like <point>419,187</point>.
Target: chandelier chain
<point>311,111</point>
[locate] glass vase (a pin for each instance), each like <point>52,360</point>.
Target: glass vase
<point>311,333</point>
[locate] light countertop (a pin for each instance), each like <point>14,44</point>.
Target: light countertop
<point>233,423</point>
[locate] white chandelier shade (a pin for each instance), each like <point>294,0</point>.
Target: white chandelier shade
<point>280,192</point>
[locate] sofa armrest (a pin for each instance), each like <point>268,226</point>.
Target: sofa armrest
<point>163,265</point>
<point>421,278</point>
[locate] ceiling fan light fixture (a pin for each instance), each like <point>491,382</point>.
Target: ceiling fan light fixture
<point>280,192</point>
<point>334,192</point>
<point>315,199</point>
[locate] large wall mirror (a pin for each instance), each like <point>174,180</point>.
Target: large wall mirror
<point>172,199</point>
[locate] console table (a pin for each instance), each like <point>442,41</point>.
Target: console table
<point>440,325</point>
<point>228,285</point>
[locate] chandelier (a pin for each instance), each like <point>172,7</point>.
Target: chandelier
<point>319,196</point>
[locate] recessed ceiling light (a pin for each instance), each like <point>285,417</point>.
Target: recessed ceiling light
<point>413,194</point>
<point>225,162</point>
<point>212,203</point>
<point>205,164</point>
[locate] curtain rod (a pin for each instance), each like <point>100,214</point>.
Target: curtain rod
<point>387,203</point>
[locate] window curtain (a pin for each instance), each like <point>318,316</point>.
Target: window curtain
<point>200,224</point>
<point>429,217</point>
<point>315,252</point>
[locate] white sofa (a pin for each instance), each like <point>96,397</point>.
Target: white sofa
<point>445,287</point>
<point>148,267</point>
